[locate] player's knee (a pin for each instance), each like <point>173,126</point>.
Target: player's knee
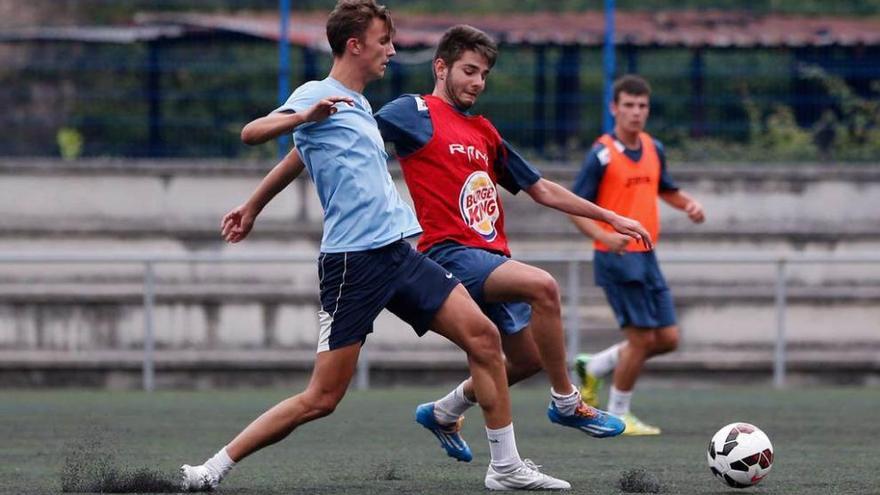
<point>667,342</point>
<point>546,291</point>
<point>322,403</point>
<point>645,343</point>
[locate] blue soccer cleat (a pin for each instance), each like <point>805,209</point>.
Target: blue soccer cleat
<point>449,436</point>
<point>589,420</point>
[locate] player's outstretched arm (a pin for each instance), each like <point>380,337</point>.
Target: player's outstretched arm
<point>276,124</point>
<point>237,224</point>
<point>551,194</point>
<point>684,202</point>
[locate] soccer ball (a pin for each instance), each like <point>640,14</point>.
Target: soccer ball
<point>740,455</point>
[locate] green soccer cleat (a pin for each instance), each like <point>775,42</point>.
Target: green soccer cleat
<point>590,384</point>
<point>636,427</point>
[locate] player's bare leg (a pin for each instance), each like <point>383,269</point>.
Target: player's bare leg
<point>522,361</point>
<point>331,375</point>
<point>461,321</point>
<point>641,344</point>
<point>541,343</point>
<point>330,378</point>
<point>515,281</point>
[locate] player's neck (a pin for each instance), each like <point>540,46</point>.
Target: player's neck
<point>441,94</point>
<point>351,76</point>
<point>629,139</point>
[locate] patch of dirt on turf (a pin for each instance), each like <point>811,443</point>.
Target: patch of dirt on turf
<point>639,480</point>
<point>387,472</point>
<point>89,469</point>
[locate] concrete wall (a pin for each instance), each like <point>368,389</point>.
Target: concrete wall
<point>175,207</point>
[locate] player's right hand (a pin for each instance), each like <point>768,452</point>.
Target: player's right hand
<point>325,108</point>
<point>631,229</point>
<point>237,224</point>
<point>615,242</point>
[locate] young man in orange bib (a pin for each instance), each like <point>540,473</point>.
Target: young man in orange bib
<point>626,172</point>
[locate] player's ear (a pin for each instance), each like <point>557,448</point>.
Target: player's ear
<point>440,69</point>
<point>354,45</point>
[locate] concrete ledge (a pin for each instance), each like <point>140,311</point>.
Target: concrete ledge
<point>208,369</point>
<point>866,358</point>
<point>132,293</point>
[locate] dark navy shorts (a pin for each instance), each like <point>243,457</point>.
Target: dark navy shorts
<point>635,288</point>
<point>356,286</point>
<point>473,266</point>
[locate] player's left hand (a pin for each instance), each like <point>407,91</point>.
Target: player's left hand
<point>695,212</point>
<point>237,224</point>
<point>325,108</point>
<point>632,228</point>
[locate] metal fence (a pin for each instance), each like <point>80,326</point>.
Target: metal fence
<point>157,95</point>
<point>779,262</point>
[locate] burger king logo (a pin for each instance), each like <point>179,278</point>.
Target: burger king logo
<point>478,203</point>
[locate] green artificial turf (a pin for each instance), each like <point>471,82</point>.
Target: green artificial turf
<point>825,440</point>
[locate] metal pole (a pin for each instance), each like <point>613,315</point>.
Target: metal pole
<point>283,67</point>
<point>362,380</point>
<point>573,341</point>
<point>608,63</point>
<point>149,327</point>
<point>779,357</point>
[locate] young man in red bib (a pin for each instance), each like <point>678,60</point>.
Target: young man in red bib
<point>452,161</point>
<point>626,171</point>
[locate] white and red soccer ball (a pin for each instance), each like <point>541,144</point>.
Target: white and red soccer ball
<point>740,455</point>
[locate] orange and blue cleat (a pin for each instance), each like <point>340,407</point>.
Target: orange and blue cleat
<point>448,434</point>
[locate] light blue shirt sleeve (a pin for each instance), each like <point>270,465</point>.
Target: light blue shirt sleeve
<point>302,98</point>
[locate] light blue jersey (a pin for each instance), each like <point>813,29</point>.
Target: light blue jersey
<point>346,158</point>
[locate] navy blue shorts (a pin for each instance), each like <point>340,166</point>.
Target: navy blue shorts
<point>635,288</point>
<point>356,286</point>
<point>473,266</point>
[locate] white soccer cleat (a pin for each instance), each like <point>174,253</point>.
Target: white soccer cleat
<point>197,479</point>
<point>525,477</point>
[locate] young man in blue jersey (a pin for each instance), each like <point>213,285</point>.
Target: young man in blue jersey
<point>365,264</point>
<point>626,171</point>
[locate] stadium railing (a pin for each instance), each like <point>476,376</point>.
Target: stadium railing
<point>573,260</point>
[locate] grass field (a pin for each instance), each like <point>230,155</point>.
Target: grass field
<point>826,441</point>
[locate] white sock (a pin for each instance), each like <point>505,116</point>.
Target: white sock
<point>220,464</point>
<point>602,363</point>
<point>566,403</point>
<point>618,401</point>
<point>452,406</point>
<point>502,448</point>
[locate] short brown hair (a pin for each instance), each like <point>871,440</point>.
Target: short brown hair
<point>631,85</point>
<point>458,39</point>
<point>351,19</point>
